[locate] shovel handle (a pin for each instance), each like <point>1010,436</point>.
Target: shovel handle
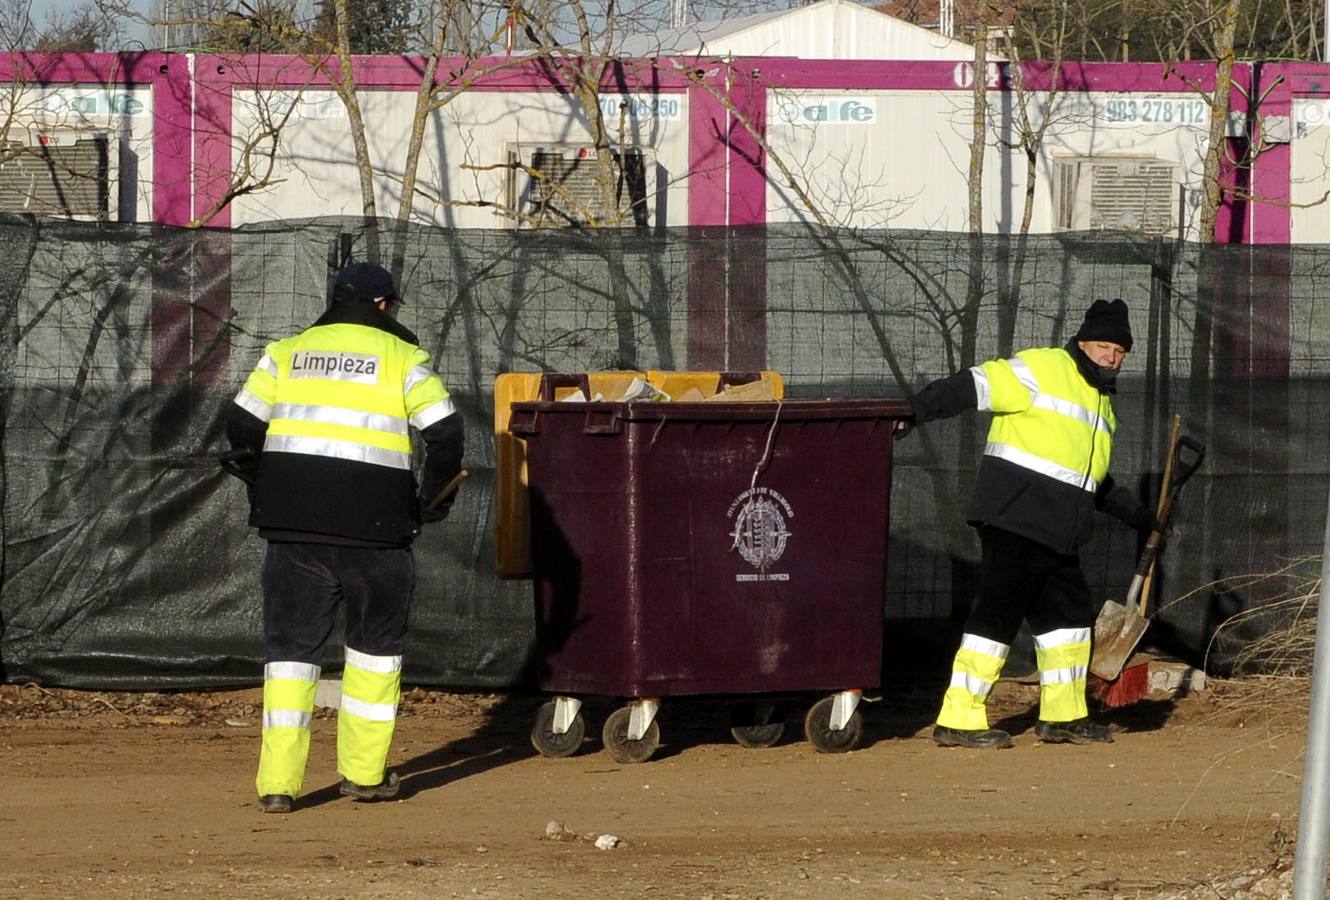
<point>1177,470</point>
<point>1184,468</point>
<point>448,489</point>
<point>1145,566</point>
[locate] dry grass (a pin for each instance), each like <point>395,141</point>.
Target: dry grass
<point>1268,650</point>
<point>1277,639</point>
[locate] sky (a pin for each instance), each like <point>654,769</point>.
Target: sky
<point>137,33</point>
<point>43,9</point>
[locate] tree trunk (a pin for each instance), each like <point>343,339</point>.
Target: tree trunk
<point>979,123</point>
<point>346,89</point>
<point>1214,190</point>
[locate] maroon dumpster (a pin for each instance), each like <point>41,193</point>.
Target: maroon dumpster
<point>707,548</point>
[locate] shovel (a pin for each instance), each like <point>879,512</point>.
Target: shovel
<point>1120,625</point>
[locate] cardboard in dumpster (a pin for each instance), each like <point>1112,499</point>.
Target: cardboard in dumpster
<point>746,393</point>
<point>640,391</point>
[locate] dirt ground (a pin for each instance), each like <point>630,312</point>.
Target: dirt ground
<point>143,795</point>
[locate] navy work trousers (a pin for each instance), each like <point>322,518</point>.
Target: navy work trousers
<point>303,584</point>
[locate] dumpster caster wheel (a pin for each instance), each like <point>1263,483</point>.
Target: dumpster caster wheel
<point>817,728</point>
<point>753,726</point>
<point>615,736</point>
<point>557,746</point>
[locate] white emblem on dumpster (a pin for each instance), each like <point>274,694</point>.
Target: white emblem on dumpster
<point>759,531</point>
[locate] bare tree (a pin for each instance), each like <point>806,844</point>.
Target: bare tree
<point>1036,112</point>
<point>1163,30</point>
<point>82,29</point>
<point>254,163</point>
<point>1214,25</point>
<point>1224,32</point>
<point>26,120</point>
<point>582,63</point>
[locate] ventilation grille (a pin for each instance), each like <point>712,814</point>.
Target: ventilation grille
<point>1126,194</point>
<point>64,177</point>
<point>551,187</point>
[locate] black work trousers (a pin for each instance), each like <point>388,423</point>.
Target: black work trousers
<point>303,584</point>
<point>1023,579</point>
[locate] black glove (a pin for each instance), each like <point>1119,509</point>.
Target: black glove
<point>243,463</point>
<point>1143,520</point>
<point>903,427</point>
<point>437,514</point>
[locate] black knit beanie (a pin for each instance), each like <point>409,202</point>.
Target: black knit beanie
<point>1106,320</point>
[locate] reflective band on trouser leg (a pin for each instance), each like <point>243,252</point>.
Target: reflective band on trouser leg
<point>288,707</point>
<point>371,687</point>
<point>1063,657</point>
<point>973,673</point>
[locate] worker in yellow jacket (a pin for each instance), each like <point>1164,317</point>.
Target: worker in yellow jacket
<point>326,415</point>
<point>1044,473</point>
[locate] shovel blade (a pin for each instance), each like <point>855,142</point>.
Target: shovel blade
<point>1117,631</point>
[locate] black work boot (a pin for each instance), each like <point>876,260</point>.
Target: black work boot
<point>384,790</point>
<point>275,803</point>
<point>975,739</point>
<point>1077,731</point>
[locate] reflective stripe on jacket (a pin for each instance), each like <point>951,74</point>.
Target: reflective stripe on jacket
<point>346,392</point>
<point>1048,418</point>
<point>338,400</point>
<point>1048,449</point>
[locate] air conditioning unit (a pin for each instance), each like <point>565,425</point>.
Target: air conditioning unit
<point>1117,193</point>
<point>59,172</point>
<point>557,185</point>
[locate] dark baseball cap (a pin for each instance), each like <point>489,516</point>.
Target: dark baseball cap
<point>365,281</point>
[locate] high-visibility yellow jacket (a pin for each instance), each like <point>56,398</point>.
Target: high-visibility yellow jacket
<point>328,413</point>
<point>1045,468</point>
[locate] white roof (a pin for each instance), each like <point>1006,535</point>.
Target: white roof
<point>829,29</point>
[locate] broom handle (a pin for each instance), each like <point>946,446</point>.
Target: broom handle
<point>1162,507</point>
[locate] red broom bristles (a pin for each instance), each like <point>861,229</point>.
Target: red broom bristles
<point>1131,685</point>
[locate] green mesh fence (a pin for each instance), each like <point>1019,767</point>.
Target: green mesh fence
<point>127,561</point>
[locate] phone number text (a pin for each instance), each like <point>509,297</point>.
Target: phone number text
<point>1166,112</point>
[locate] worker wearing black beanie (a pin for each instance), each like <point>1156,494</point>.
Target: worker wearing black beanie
<point>1045,471</point>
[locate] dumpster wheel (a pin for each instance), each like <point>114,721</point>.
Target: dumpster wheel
<point>547,743</point>
<point>753,726</point>
<point>624,750</point>
<point>817,728</point>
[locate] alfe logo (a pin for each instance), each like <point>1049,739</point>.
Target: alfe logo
<point>828,110</point>
<point>93,103</point>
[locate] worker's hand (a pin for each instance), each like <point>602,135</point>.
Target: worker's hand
<point>242,463</point>
<point>1160,533</point>
<point>438,514</point>
<point>903,427</point>
<point>1143,520</point>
